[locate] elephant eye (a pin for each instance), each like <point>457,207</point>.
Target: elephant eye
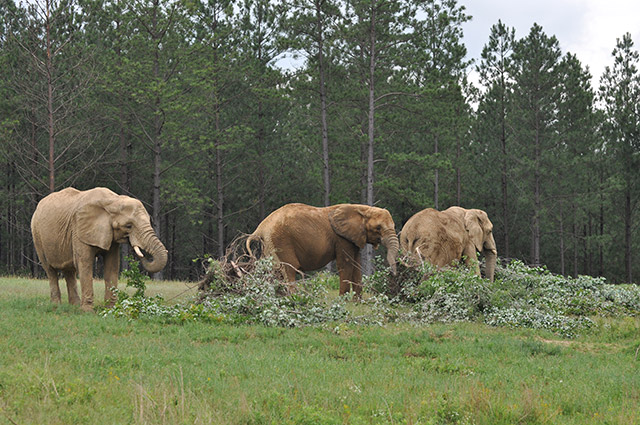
<point>129,226</point>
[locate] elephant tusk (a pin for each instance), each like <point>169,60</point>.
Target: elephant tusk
<point>138,252</point>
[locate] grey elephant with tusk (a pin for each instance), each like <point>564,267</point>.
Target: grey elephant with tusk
<point>306,238</point>
<point>71,227</point>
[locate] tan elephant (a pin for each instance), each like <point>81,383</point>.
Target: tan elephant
<point>71,227</point>
<point>442,237</point>
<point>305,238</point>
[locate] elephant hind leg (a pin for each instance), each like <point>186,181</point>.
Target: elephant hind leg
<point>289,272</point>
<point>72,287</point>
<point>54,288</point>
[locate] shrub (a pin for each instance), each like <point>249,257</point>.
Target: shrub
<point>258,296</point>
<point>520,296</point>
<point>138,305</point>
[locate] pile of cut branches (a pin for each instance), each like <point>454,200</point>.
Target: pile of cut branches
<point>237,271</point>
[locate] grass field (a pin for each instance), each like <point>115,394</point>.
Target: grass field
<point>61,366</point>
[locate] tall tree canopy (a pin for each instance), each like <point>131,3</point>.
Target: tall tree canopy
<point>194,108</point>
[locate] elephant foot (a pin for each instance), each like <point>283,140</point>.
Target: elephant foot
<point>87,308</point>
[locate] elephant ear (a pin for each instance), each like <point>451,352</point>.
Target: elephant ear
<point>474,229</point>
<point>93,225</point>
<point>348,222</point>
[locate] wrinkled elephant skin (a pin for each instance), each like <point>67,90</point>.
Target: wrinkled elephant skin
<point>305,238</point>
<point>442,237</point>
<point>71,227</point>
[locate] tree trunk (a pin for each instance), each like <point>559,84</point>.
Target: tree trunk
<point>505,196</point>
<point>323,109</point>
<point>627,237</point>
<point>458,173</point>
<point>562,267</point>
<point>600,243</point>
<point>436,183</point>
<point>372,106</point>
<point>50,119</point>
<point>172,247</point>
<point>587,243</point>
<point>537,207</point>
<point>125,182</point>
<point>157,146</point>
<point>575,246</point>
<point>367,255</point>
<point>262,192</point>
<point>220,194</point>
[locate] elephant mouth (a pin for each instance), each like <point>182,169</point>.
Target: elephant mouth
<point>141,253</point>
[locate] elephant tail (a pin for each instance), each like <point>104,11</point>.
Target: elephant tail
<point>254,238</point>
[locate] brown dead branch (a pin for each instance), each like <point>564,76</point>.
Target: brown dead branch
<point>233,266</point>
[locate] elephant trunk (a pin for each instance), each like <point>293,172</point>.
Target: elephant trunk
<point>491,256</point>
<point>155,256</point>
<point>390,240</point>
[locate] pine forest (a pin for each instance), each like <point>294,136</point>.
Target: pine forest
<point>214,113</point>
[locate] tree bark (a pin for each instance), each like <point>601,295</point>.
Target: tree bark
<point>436,180</point>
<point>562,266</point>
<point>323,107</point>
<point>627,237</point>
<point>458,173</point>
<point>158,122</point>
<point>50,112</point>
<point>219,188</point>
<point>537,207</point>
<point>367,254</point>
<point>505,195</point>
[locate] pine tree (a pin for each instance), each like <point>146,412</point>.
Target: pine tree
<point>535,73</point>
<point>620,97</point>
<point>576,139</point>
<point>310,29</point>
<point>491,124</point>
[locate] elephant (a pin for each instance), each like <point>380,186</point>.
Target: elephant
<point>443,237</point>
<point>71,227</point>
<point>305,238</point>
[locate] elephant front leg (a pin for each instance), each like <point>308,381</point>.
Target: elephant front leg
<point>471,259</point>
<point>111,270</point>
<point>72,287</point>
<point>356,276</point>
<point>84,264</point>
<point>348,264</point>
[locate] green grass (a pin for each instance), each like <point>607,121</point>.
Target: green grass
<point>61,366</point>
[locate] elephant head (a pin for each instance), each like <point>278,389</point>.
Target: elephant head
<point>363,224</point>
<point>480,231</point>
<point>105,218</point>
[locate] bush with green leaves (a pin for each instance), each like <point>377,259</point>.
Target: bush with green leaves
<point>520,297</point>
<point>450,294</point>
<point>262,297</point>
<point>138,305</point>
<point>258,297</point>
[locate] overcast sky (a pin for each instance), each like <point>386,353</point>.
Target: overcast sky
<point>586,28</point>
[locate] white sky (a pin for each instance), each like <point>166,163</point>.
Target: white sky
<point>587,28</point>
